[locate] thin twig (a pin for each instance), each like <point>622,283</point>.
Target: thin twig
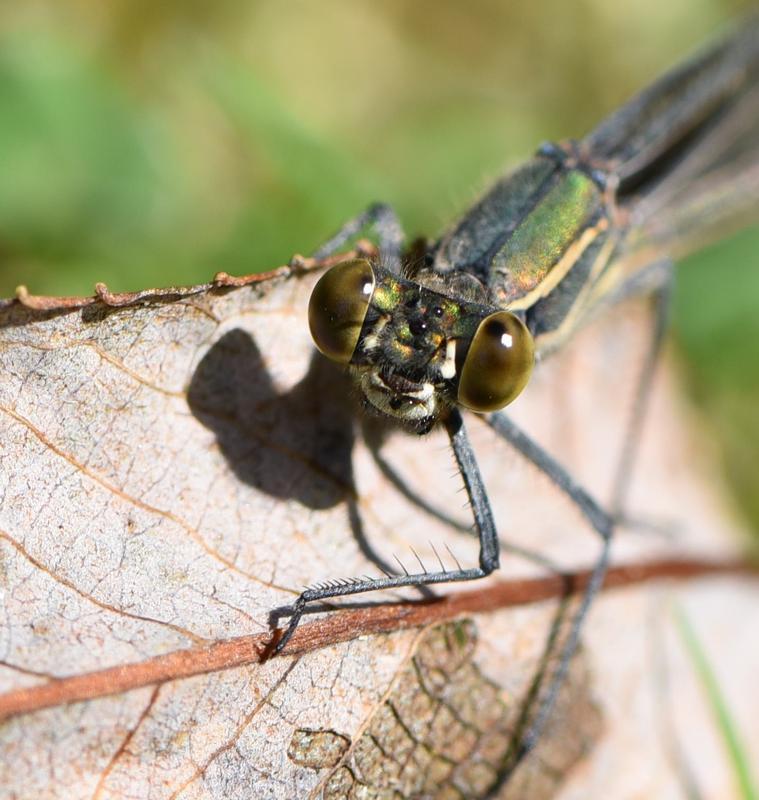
<point>340,626</point>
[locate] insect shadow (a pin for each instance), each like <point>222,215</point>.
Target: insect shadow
<point>296,444</point>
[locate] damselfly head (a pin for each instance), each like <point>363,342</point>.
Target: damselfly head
<point>416,351</point>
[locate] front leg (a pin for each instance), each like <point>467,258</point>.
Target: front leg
<point>483,520</point>
<point>383,219</point>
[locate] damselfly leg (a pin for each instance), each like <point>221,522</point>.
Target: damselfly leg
<point>602,523</point>
<point>483,519</point>
<point>380,218</point>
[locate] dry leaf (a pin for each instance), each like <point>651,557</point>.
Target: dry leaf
<point>175,466</point>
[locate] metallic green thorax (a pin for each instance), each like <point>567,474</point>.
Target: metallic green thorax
<point>537,246</point>
<point>528,233</point>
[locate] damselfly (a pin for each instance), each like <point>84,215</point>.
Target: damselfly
<point>580,227</point>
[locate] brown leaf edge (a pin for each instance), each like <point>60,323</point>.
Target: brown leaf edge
<point>344,625</point>
<point>221,281</point>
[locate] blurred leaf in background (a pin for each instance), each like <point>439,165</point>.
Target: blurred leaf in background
<point>146,144</point>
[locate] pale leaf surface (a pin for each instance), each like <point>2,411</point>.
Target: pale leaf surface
<point>173,471</point>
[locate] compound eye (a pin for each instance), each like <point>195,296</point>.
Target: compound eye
<point>338,306</point>
<point>498,363</point>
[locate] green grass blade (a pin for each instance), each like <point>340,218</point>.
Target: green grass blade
<point>736,753</point>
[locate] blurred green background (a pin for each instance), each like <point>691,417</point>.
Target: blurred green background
<point>149,143</point>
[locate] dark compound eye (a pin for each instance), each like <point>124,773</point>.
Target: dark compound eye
<point>498,363</point>
<point>338,306</point>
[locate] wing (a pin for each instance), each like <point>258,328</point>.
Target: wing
<point>681,161</point>
<point>685,151</point>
